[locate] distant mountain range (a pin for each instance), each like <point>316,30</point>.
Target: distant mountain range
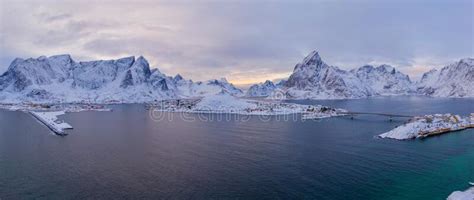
<point>314,79</point>
<point>60,79</point>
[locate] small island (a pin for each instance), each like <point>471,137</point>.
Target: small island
<point>430,125</point>
<point>226,104</point>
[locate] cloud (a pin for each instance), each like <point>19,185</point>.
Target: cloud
<point>243,40</point>
<point>48,17</point>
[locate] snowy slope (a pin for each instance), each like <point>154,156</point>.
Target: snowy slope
<point>60,79</point>
<point>262,89</point>
<point>384,80</point>
<point>201,89</point>
<point>455,80</point>
<point>223,102</point>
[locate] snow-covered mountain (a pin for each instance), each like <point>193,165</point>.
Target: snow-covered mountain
<point>384,80</point>
<point>262,89</point>
<point>455,80</point>
<point>314,79</point>
<point>61,79</point>
<point>200,89</point>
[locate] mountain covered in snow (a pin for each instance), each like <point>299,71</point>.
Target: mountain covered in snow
<point>314,79</point>
<point>455,80</point>
<point>266,89</point>
<point>60,79</point>
<point>383,80</point>
<point>125,80</point>
<point>261,90</point>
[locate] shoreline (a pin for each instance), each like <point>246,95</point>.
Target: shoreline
<point>430,125</point>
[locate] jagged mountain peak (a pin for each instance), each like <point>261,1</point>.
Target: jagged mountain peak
<point>178,77</point>
<point>386,68</point>
<point>380,68</point>
<point>262,89</point>
<point>60,56</point>
<point>313,78</point>
<point>312,58</point>
<point>268,83</point>
<point>224,80</point>
<point>310,71</point>
<point>469,61</point>
<point>141,60</point>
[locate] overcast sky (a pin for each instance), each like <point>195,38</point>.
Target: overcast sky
<point>245,41</point>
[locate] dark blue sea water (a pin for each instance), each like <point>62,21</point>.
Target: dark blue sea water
<point>127,154</point>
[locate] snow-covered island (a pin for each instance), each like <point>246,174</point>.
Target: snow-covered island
<point>429,125</point>
<point>227,104</point>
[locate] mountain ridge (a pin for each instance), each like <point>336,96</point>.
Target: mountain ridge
<point>130,79</point>
<point>314,79</point>
<point>125,80</point>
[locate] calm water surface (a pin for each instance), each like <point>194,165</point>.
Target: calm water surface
<point>127,154</point>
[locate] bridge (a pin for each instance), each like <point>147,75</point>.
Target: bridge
<point>374,113</point>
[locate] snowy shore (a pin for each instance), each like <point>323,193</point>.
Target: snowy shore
<point>462,195</point>
<point>429,125</point>
<point>227,104</point>
<point>54,107</point>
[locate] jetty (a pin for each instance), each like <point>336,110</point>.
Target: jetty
<point>50,120</point>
